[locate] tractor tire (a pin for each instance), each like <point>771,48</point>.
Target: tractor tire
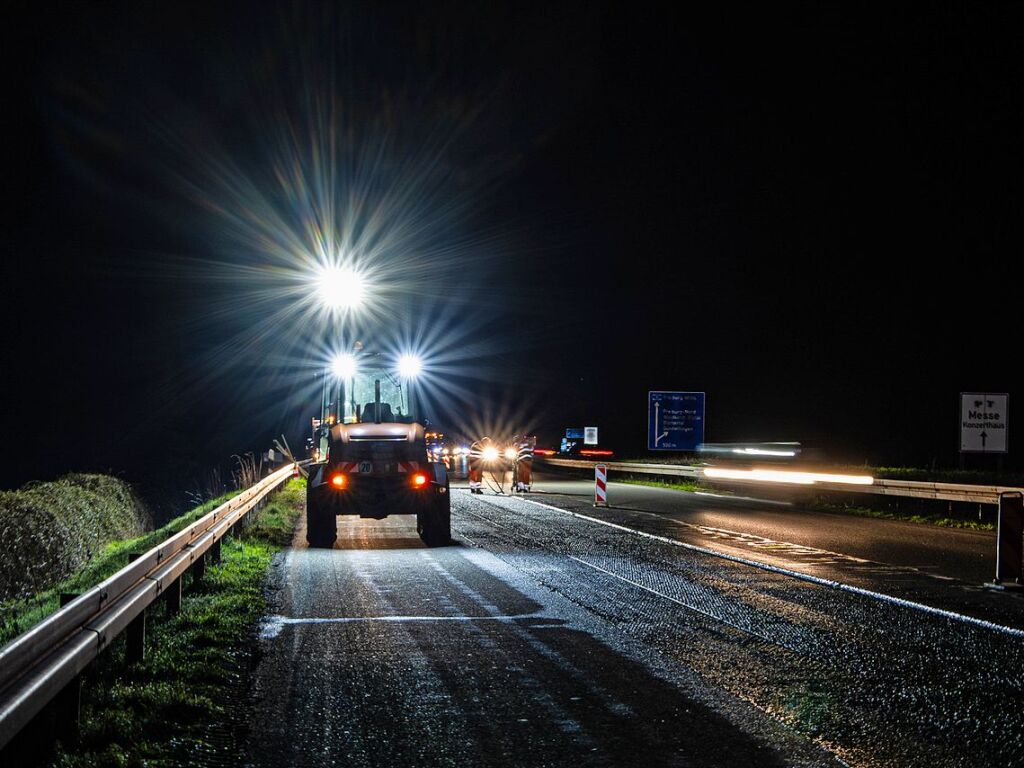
<point>321,521</point>
<point>435,525</point>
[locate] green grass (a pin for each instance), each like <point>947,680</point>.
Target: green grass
<point>675,485</point>
<point>186,703</point>
<point>940,520</point>
<point>808,708</point>
<point>824,506</point>
<point>16,616</point>
<point>964,476</point>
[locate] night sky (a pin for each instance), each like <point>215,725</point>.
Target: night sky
<point>810,212</point>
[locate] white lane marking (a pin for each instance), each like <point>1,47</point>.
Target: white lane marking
<point>684,605</point>
<point>726,497</point>
<point>271,626</point>
<point>903,603</point>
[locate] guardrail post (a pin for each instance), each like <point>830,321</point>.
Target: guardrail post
<point>198,569</point>
<point>1010,540</point>
<point>135,633</point>
<point>67,705</point>
<point>173,597</point>
<point>215,553</point>
<point>67,711</point>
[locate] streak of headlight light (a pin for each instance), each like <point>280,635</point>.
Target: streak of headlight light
<point>762,452</point>
<point>779,476</point>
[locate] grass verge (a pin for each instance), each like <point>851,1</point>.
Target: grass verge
<point>187,702</point>
<point>940,520</point>
<point>825,506</point>
<point>674,485</point>
<point>16,616</point>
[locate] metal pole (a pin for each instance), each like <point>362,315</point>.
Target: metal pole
<point>1010,540</point>
<point>323,399</point>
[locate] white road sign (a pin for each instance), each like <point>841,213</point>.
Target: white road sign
<point>984,422</point>
<point>590,435</point>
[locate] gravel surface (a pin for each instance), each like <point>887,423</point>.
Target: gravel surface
<point>539,638</point>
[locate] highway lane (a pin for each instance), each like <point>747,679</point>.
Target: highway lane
<point>944,568</point>
<point>540,638</point>
<point>965,555</point>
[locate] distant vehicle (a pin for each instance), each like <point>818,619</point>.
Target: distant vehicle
<point>376,462</point>
<point>575,449</point>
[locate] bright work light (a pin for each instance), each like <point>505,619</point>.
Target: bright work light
<point>344,366</point>
<point>340,287</point>
<point>409,366</point>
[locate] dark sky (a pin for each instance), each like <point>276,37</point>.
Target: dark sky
<point>810,212</point>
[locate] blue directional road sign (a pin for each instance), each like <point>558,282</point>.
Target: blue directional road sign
<point>675,421</point>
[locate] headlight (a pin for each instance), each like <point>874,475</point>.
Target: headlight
<point>490,453</point>
<point>511,453</point>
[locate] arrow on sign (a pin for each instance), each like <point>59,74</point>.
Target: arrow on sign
<point>663,434</point>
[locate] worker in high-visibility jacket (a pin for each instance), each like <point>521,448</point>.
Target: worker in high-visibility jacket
<point>479,453</point>
<point>524,463</point>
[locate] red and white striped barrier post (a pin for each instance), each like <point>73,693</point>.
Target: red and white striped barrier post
<point>600,485</point>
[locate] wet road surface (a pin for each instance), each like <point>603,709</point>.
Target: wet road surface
<point>542,638</point>
<point>962,554</point>
<point>945,568</point>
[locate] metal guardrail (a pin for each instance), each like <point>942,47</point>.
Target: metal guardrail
<point>40,663</point>
<point>979,494</point>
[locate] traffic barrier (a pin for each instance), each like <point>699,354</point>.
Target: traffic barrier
<point>977,494</point>
<point>600,485</point>
<point>44,663</point>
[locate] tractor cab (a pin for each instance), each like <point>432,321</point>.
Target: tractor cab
<point>373,456</point>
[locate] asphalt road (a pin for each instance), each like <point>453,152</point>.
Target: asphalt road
<point>944,568</point>
<point>961,554</point>
<point>543,638</point>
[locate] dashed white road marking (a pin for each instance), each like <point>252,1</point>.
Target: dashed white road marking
<point>861,591</point>
<point>271,626</point>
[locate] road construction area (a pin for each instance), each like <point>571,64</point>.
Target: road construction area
<point>551,634</point>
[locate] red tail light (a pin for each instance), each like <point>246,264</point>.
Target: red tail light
<point>339,481</point>
<point>420,480</point>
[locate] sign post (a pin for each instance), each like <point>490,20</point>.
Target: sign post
<point>984,422</point>
<point>1010,541</point>
<point>600,485</point>
<point>675,421</point>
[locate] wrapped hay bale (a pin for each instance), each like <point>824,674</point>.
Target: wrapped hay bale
<point>49,530</point>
